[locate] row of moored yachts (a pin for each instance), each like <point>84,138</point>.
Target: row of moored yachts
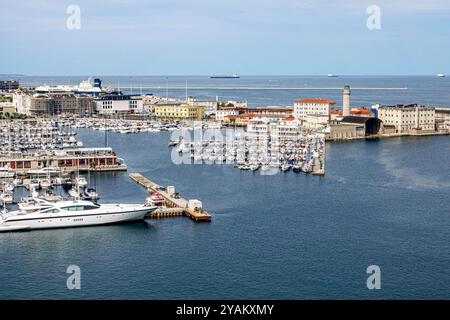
<point>248,154</point>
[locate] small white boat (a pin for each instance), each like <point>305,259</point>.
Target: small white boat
<point>441,75</point>
<point>6,173</point>
<point>81,181</point>
<point>45,183</point>
<point>33,184</point>
<point>244,167</point>
<point>90,194</point>
<point>74,193</point>
<point>8,187</point>
<point>6,198</point>
<point>51,197</point>
<point>44,171</point>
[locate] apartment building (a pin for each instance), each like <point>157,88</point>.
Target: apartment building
<point>313,107</point>
<point>408,118</point>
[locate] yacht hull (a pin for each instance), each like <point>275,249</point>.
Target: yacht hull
<point>79,220</point>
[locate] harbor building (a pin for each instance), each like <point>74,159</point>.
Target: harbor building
<point>150,106</point>
<point>51,104</point>
<point>9,85</point>
<point>288,129</point>
<point>240,120</point>
<point>66,161</point>
<point>409,119</point>
<point>442,115</point>
<point>359,112</point>
<point>371,125</point>
<point>257,114</point>
<point>354,127</point>
<point>443,119</point>
<point>341,131</point>
<point>316,121</point>
<point>223,112</point>
<point>7,108</point>
<point>274,112</point>
<point>178,112</point>
<point>313,107</point>
<point>346,101</point>
<point>118,104</point>
<point>210,106</point>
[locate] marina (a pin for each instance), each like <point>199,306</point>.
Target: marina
<point>261,153</point>
<point>262,225</point>
<point>302,152</point>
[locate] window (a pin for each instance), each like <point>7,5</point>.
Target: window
<point>90,207</point>
<point>73,208</point>
<point>80,208</point>
<point>50,211</point>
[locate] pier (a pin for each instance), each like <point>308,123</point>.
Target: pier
<point>176,205</point>
<point>319,165</point>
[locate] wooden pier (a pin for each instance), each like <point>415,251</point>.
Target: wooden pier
<point>319,165</point>
<point>176,206</point>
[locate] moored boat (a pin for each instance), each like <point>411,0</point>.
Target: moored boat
<point>43,214</point>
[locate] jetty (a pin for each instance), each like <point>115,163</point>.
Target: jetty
<point>319,165</point>
<point>175,205</point>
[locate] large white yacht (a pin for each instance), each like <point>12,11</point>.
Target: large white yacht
<point>42,214</point>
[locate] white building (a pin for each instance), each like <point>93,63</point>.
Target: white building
<point>258,130</point>
<point>22,102</point>
<point>209,105</point>
<point>316,121</point>
<point>221,113</point>
<point>113,103</point>
<point>407,119</point>
<point>237,104</point>
<point>283,130</point>
<point>313,107</point>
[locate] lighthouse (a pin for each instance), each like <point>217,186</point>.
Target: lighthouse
<point>346,101</point>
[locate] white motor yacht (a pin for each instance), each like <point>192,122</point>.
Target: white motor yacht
<point>42,214</point>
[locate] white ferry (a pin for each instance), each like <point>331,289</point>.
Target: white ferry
<point>42,214</point>
<point>90,87</point>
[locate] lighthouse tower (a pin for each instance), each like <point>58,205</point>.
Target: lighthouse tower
<point>346,101</point>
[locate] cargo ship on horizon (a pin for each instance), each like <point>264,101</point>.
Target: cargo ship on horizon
<point>234,76</point>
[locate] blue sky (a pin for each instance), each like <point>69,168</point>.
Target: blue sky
<point>202,37</point>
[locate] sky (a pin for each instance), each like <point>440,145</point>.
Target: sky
<point>209,37</point>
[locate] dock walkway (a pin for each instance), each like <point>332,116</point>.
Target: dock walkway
<point>172,201</point>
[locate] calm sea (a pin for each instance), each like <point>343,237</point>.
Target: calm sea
<point>286,236</point>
